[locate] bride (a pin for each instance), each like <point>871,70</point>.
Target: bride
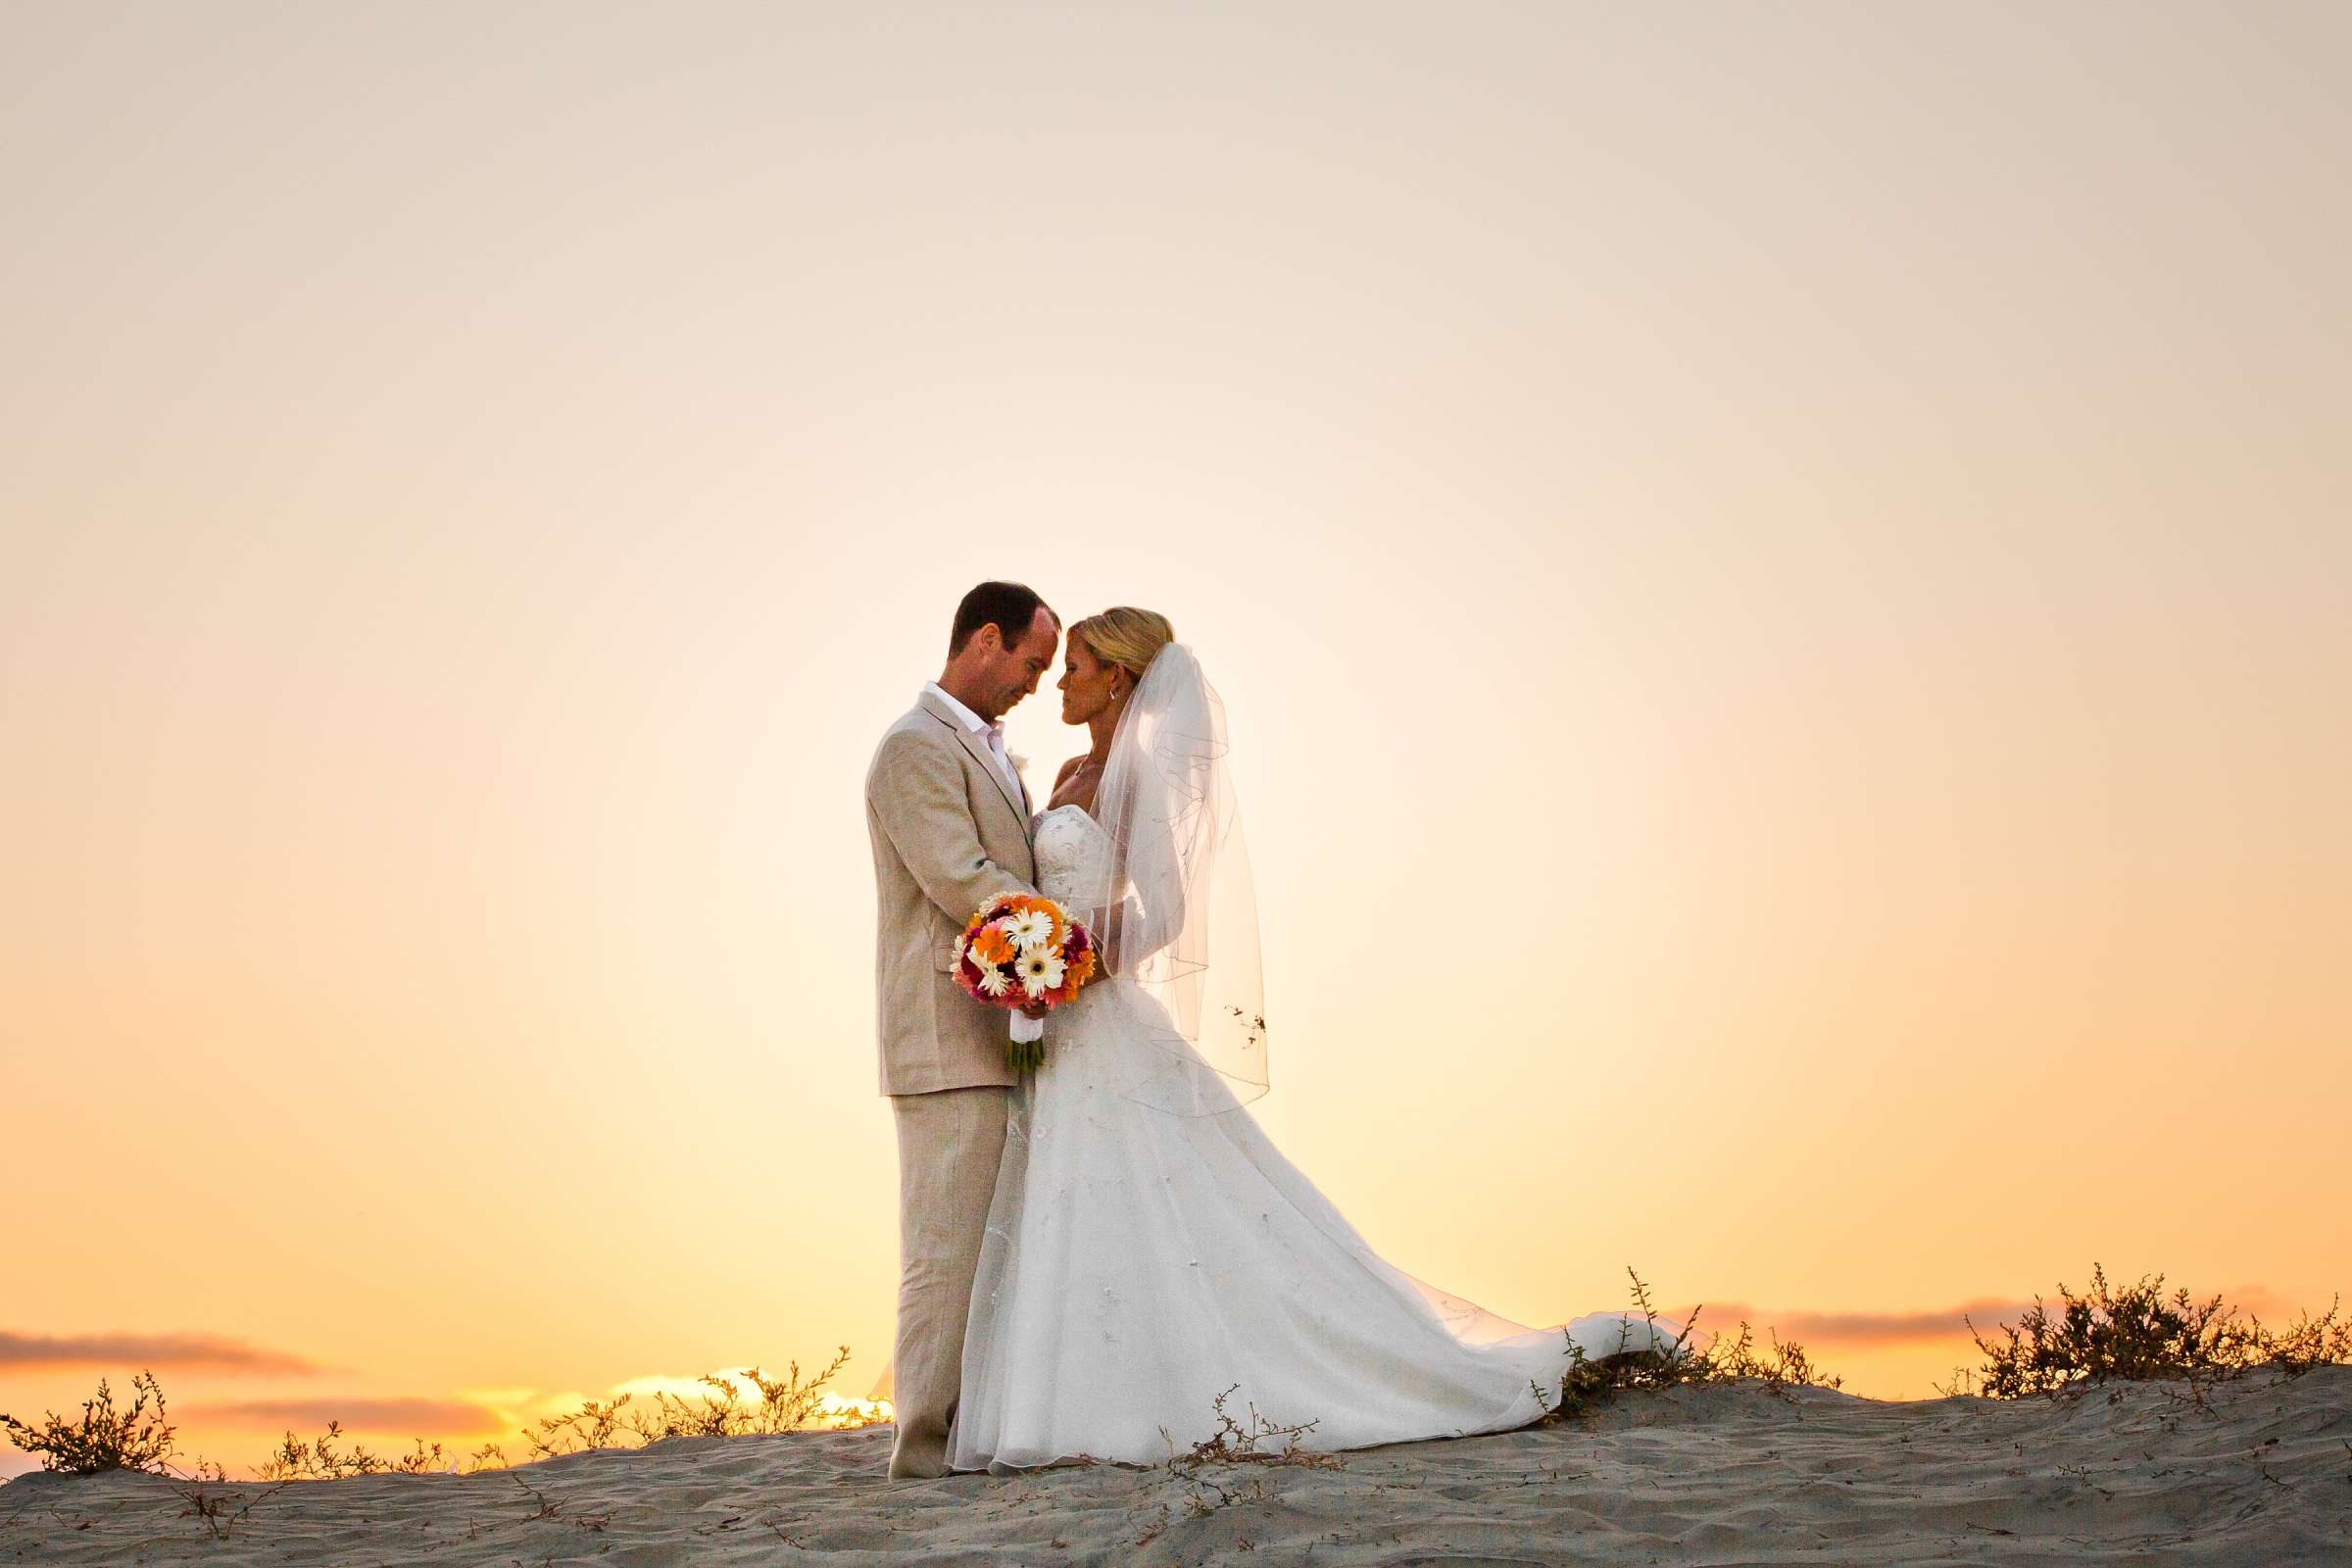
<point>1147,1248</point>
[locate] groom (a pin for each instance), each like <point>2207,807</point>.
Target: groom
<point>949,820</point>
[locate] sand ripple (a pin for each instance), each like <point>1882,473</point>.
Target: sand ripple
<point>1719,1476</point>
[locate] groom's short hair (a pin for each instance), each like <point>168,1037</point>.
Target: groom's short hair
<point>1010,606</point>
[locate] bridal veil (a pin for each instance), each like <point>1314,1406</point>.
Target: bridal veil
<point>1175,902</point>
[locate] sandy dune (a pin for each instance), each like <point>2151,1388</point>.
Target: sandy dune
<point>1722,1475</point>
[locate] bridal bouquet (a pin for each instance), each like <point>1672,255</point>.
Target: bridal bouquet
<point>1023,951</point>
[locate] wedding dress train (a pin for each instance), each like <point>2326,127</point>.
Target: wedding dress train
<point>1138,1263</point>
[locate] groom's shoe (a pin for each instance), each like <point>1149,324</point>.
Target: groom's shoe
<point>918,1460</point>
<point>918,1443</point>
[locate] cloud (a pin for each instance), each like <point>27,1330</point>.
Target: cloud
<point>183,1351</point>
<point>2272,1308</point>
<point>357,1414</point>
<point>1873,1328</point>
<point>1936,1323</point>
<point>1811,1328</point>
<point>683,1388</point>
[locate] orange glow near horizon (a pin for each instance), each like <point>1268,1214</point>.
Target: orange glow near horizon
<point>1822,527</point>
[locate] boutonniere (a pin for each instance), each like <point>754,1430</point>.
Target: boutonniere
<point>1020,764</point>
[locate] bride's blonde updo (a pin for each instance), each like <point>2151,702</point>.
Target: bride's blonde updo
<point>1126,636</point>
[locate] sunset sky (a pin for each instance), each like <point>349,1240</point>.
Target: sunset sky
<point>1800,552</point>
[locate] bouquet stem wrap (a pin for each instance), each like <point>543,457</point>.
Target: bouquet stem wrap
<point>1026,1048</point>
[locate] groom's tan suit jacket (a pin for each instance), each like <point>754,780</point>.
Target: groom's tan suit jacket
<point>950,832</point>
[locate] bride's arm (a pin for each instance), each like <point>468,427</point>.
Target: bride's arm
<point>1150,914</point>
<point>1143,924</point>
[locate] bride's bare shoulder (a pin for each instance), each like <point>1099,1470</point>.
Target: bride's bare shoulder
<point>1073,785</point>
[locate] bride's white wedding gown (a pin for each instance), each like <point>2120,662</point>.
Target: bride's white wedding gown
<point>1138,1263</point>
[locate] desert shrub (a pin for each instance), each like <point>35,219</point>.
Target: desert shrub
<point>108,1439</point>
<point>1227,1466</point>
<point>1725,1358</point>
<point>2309,1341</point>
<point>2140,1333</point>
<point>591,1426</point>
<point>105,1439</point>
<point>791,1404</point>
<point>421,1460</point>
<point>321,1461</point>
<point>213,1502</point>
<point>786,1405</point>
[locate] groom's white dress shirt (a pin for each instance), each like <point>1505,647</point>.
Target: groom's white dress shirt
<point>993,734</point>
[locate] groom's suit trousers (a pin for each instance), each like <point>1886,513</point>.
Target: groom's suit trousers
<point>950,1144</point>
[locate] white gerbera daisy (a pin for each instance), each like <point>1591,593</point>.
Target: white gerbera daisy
<point>1033,928</point>
<point>1039,970</point>
<point>993,981</point>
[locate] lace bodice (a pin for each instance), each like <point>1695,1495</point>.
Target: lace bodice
<point>1069,849</point>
